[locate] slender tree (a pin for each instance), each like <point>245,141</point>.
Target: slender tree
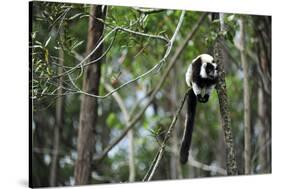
<point>263,47</point>
<point>59,117</point>
<point>231,164</point>
<point>247,107</point>
<point>89,105</point>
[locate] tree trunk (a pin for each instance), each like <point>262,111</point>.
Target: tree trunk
<point>59,117</point>
<point>247,108</point>
<point>261,131</point>
<point>263,35</point>
<point>231,164</point>
<point>131,154</point>
<point>89,105</point>
<point>175,167</point>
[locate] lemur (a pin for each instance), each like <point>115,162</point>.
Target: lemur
<point>201,76</point>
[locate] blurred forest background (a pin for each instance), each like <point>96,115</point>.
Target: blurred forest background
<point>83,133</point>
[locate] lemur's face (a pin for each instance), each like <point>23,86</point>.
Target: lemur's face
<point>211,70</point>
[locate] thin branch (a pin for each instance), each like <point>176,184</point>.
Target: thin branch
<point>121,28</point>
<point>121,86</point>
<point>163,145</point>
<point>171,42</point>
<point>119,101</point>
<point>143,34</point>
<point>148,10</point>
<point>47,151</point>
<point>151,167</point>
<point>155,91</point>
<point>227,50</point>
<point>104,53</point>
<point>211,168</point>
<point>135,107</point>
<point>122,106</point>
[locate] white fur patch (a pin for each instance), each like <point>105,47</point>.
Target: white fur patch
<point>203,73</point>
<point>216,70</point>
<point>196,89</point>
<point>188,75</point>
<point>206,58</point>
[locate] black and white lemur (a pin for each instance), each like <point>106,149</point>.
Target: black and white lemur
<point>201,76</point>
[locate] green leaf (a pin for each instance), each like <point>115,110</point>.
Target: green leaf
<point>76,45</point>
<point>47,42</point>
<point>111,120</point>
<point>44,90</point>
<point>75,16</point>
<point>231,17</point>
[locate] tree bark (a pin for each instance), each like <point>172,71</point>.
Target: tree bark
<point>175,167</point>
<point>247,107</point>
<point>89,105</point>
<point>263,35</point>
<point>131,154</point>
<point>261,131</point>
<point>59,118</point>
<point>231,164</point>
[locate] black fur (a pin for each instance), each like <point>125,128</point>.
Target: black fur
<point>189,124</point>
<point>198,83</point>
<point>202,82</point>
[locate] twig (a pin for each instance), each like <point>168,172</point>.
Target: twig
<point>148,10</point>
<point>143,34</point>
<point>163,145</point>
<point>119,101</point>
<point>151,167</point>
<point>171,42</point>
<point>104,53</point>
<point>211,168</point>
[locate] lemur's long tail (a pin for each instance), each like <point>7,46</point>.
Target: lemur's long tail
<point>189,123</point>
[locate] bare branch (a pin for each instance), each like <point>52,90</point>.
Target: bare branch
<point>211,168</point>
<point>143,34</point>
<point>148,10</point>
<point>163,145</point>
<point>119,101</point>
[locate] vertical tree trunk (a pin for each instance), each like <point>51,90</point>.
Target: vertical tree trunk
<point>132,171</point>
<point>263,35</point>
<point>247,108</point>
<point>231,165</point>
<point>261,131</point>
<point>89,105</point>
<point>175,167</point>
<point>59,118</point>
